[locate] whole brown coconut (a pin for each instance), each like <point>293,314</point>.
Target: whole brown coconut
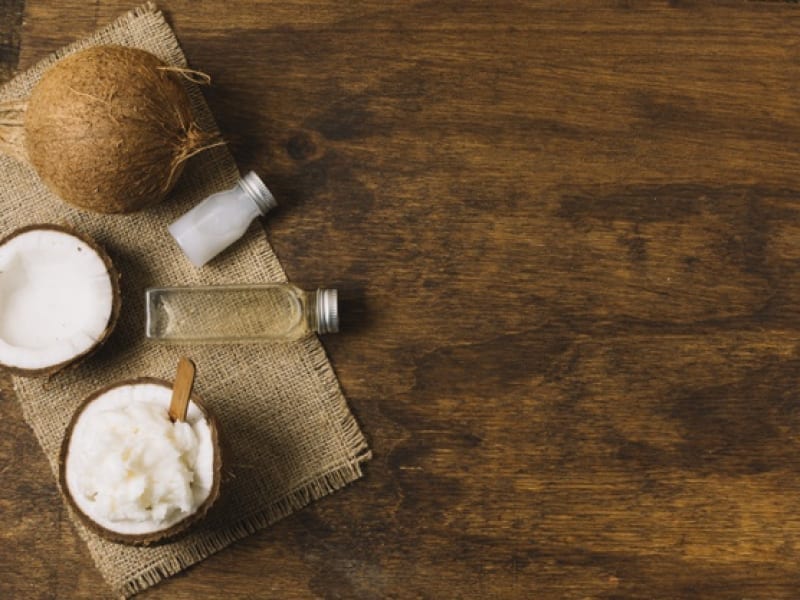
<point>109,129</point>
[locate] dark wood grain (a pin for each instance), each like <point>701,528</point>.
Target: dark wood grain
<point>570,234</point>
<point>10,29</point>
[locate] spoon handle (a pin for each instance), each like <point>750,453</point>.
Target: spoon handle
<point>182,390</point>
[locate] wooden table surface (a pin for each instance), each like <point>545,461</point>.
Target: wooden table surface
<point>574,230</point>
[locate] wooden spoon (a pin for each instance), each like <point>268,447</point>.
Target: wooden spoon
<point>182,390</point>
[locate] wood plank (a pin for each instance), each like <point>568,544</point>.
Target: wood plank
<point>569,233</point>
<point>10,29</point>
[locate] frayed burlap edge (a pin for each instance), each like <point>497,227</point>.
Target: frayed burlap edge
<point>299,498</point>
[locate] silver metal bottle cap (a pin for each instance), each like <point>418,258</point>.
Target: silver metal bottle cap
<point>258,191</point>
<point>327,311</point>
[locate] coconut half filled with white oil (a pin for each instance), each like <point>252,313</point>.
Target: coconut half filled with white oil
<point>59,299</point>
<point>130,473</point>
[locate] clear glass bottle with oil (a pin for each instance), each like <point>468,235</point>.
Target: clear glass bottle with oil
<point>239,313</point>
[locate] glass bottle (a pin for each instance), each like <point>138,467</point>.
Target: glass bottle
<point>239,313</point>
<point>221,219</point>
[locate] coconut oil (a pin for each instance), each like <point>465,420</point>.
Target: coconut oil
<point>239,313</point>
<point>221,219</point>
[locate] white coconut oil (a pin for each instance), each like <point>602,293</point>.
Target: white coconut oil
<point>130,468</point>
<point>221,219</point>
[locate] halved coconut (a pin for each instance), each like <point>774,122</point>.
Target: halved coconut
<point>59,298</point>
<point>133,476</point>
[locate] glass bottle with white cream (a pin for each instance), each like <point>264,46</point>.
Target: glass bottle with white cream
<point>221,219</point>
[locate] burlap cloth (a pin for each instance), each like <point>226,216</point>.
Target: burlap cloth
<point>290,435</point>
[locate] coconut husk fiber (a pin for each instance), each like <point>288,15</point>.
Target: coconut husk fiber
<point>110,128</point>
<point>286,427</point>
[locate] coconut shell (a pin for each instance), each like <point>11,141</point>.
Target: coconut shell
<point>116,304</point>
<point>109,128</point>
<point>157,537</point>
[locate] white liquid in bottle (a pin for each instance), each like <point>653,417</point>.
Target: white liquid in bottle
<point>221,219</point>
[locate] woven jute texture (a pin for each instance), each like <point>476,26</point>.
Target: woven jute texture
<point>289,435</point>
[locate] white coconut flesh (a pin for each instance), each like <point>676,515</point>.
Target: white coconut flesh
<point>130,469</point>
<point>56,298</point>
